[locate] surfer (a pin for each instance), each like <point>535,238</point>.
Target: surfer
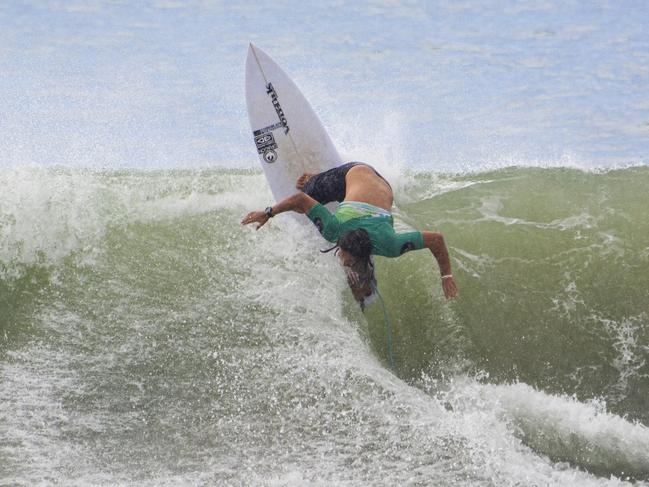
<point>362,224</point>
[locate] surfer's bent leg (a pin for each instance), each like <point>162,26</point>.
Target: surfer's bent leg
<point>329,186</point>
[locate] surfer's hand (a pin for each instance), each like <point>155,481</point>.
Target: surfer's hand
<point>255,217</point>
<point>450,288</point>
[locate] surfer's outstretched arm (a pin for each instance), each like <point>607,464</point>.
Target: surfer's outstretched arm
<point>298,202</point>
<point>435,242</point>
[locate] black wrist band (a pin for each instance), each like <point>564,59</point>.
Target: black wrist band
<point>269,212</point>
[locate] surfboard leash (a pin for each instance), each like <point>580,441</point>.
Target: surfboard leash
<point>388,328</point>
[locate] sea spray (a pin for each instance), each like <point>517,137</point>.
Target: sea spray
<point>164,343</point>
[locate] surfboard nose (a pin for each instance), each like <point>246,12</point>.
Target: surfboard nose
<point>252,49</point>
<point>252,59</point>
<point>256,52</point>
<point>250,63</point>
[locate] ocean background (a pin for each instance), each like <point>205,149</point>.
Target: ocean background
<point>147,338</point>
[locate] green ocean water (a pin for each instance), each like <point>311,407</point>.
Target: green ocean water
<point>554,271</point>
<point>147,338</point>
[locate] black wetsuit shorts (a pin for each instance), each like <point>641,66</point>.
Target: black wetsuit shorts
<point>330,185</point>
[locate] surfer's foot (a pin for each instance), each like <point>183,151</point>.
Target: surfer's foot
<point>302,180</point>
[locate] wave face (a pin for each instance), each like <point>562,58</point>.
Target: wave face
<point>553,268</point>
<point>149,339</point>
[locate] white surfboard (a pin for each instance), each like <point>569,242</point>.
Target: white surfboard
<point>288,135</point>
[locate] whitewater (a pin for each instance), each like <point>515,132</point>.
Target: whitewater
<point>147,338</point>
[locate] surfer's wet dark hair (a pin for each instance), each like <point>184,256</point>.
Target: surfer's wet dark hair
<point>357,243</point>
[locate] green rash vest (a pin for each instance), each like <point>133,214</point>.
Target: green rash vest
<point>385,241</point>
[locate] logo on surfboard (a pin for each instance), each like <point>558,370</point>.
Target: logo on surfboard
<point>278,108</point>
<point>264,138</point>
<point>266,145</point>
<point>270,156</point>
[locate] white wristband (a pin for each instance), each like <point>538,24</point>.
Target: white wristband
<point>447,276</point>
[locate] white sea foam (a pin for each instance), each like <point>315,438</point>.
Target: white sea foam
<point>583,434</point>
<point>46,214</point>
<point>219,354</point>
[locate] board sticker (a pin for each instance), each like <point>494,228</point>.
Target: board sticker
<point>270,91</point>
<point>270,156</point>
<point>265,142</point>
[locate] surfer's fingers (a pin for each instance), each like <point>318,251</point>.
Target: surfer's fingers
<point>352,277</point>
<point>254,216</point>
<point>248,218</point>
<point>262,221</point>
<point>450,289</point>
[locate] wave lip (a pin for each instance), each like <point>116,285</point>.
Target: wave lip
<point>581,434</point>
